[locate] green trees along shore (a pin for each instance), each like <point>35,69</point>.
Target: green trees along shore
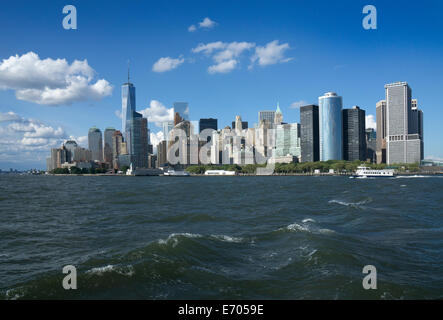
<point>339,166</point>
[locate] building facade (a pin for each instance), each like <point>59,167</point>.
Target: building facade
<point>95,144</point>
<point>309,133</point>
<point>354,134</point>
<point>331,127</point>
<point>381,131</point>
<point>403,145</point>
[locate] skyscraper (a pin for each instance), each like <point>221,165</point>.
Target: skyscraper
<point>403,144</point>
<point>208,123</point>
<point>268,116</point>
<point>108,148</point>
<point>309,135</point>
<point>167,127</point>
<point>70,146</point>
<point>95,143</point>
<point>287,141</point>
<point>381,131</point>
<point>138,140</point>
<point>181,112</point>
<point>417,123</point>
<point>354,134</point>
<point>128,103</point>
<point>331,127</point>
<point>278,118</point>
<point>244,125</point>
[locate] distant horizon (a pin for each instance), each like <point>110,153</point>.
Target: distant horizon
<point>55,84</point>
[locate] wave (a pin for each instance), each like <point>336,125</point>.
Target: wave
<point>351,204</point>
<point>414,176</point>
<point>307,228</point>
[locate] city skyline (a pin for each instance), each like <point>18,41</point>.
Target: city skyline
<point>289,80</point>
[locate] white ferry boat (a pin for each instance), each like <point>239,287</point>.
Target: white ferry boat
<point>366,172</point>
<point>219,173</point>
<point>173,173</point>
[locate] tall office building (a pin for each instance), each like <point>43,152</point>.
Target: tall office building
<point>309,135</point>
<point>417,124</point>
<point>181,112</point>
<point>167,127</point>
<point>371,145</point>
<point>128,103</point>
<point>287,140</point>
<point>403,143</point>
<point>138,140</point>
<point>268,116</point>
<point>331,127</point>
<point>108,148</point>
<point>162,153</point>
<point>354,134</point>
<point>95,143</point>
<point>208,123</point>
<point>381,131</point>
<point>278,118</point>
<point>70,146</point>
<point>117,147</point>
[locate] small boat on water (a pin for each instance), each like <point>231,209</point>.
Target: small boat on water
<point>173,173</point>
<point>366,172</point>
<point>219,173</point>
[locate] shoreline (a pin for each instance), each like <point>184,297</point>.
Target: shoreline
<point>325,174</point>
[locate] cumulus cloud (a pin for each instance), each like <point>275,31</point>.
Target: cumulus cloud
<point>167,64</point>
<point>157,113</point>
<point>370,122</point>
<point>271,53</point>
<point>25,139</point>
<point>223,67</point>
<point>225,55</point>
<point>298,104</point>
<point>51,82</point>
<point>206,23</point>
<point>156,138</point>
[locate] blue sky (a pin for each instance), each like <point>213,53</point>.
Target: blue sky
<point>319,47</point>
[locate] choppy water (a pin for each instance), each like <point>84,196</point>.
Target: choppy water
<point>221,237</point>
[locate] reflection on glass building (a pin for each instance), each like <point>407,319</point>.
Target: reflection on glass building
<point>95,144</point>
<point>331,127</point>
<point>181,112</point>
<point>128,104</point>
<point>138,137</point>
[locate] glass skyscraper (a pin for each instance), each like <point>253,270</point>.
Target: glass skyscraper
<point>181,112</point>
<point>108,148</point>
<point>95,144</point>
<point>128,103</point>
<point>310,145</point>
<point>331,127</point>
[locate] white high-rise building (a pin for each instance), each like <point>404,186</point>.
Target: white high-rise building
<point>403,141</point>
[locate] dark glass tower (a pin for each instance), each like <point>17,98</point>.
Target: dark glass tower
<point>209,123</point>
<point>354,134</point>
<point>309,133</point>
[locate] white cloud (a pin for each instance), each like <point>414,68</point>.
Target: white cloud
<point>298,104</point>
<point>206,23</point>
<point>167,64</point>
<point>9,116</point>
<point>271,53</point>
<point>118,113</point>
<point>223,67</point>
<point>370,122</point>
<point>51,82</point>
<point>226,55</point>
<point>156,138</point>
<point>26,140</point>
<point>157,113</point>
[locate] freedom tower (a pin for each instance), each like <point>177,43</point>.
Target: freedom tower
<point>128,103</point>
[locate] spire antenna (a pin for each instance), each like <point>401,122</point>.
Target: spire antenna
<point>129,61</point>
